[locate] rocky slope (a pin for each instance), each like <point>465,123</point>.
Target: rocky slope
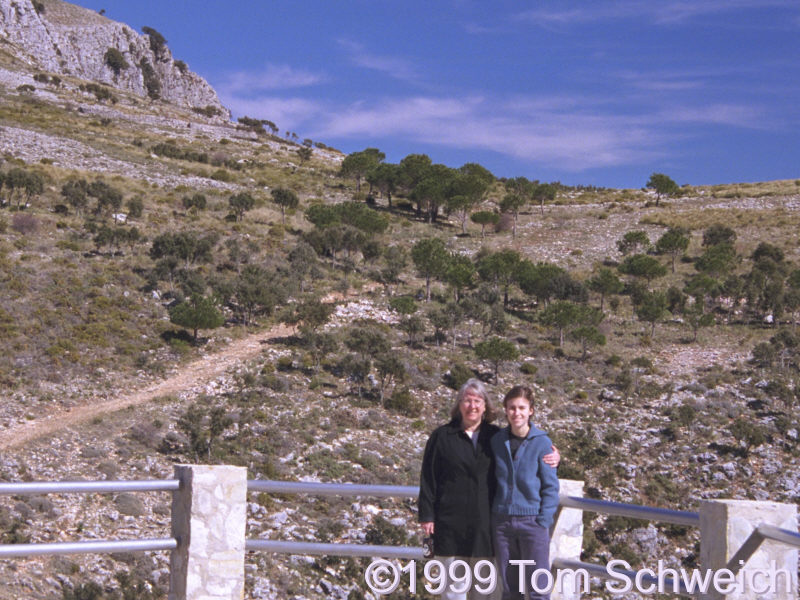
<point>61,38</point>
<point>640,420</point>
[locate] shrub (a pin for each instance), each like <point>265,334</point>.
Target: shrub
<point>157,41</point>
<point>404,305</point>
<point>745,431</point>
<point>197,201</point>
<point>170,150</point>
<point>181,66</point>
<point>24,223</point>
<point>135,207</point>
<point>505,223</point>
<point>528,368</point>
<point>458,376</point>
<point>115,60</point>
<point>764,354</point>
<point>151,82</point>
<point>100,92</point>
<point>207,111</point>
<point>145,433</point>
<point>25,88</point>
<point>643,363</point>
<point>405,403</point>
<point>683,415</point>
<point>781,391</point>
<point>222,175</point>
<point>83,591</point>
<point>284,363</point>
<point>662,489</point>
<point>383,533</point>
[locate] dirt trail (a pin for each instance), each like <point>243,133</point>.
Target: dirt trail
<point>198,372</point>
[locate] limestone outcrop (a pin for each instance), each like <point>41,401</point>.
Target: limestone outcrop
<point>60,38</point>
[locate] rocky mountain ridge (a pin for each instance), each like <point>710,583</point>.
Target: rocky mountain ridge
<point>61,38</point>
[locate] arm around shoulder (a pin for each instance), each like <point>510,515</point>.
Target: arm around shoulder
<point>548,490</point>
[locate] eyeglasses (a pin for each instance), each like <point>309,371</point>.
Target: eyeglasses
<point>472,400</point>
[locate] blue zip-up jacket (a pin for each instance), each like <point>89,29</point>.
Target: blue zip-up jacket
<point>525,485</point>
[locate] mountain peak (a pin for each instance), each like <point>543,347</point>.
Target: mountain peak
<point>68,40</point>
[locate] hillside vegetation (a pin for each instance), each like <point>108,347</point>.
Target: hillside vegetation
<point>660,331</point>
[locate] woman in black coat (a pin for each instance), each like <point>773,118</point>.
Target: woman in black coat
<point>457,479</point>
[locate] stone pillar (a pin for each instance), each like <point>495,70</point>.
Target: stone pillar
<point>209,515</point>
<point>566,542</point>
<point>725,525</point>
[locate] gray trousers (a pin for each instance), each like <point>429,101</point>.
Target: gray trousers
<point>521,538</point>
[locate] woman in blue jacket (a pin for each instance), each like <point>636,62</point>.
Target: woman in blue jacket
<point>526,496</point>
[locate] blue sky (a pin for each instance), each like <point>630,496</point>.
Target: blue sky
<point>600,93</point>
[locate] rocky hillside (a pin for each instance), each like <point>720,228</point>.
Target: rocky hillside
<point>59,38</point>
<point>104,193</point>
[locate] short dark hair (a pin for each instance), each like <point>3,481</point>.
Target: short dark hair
<point>519,391</point>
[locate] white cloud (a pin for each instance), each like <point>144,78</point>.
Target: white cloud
<point>286,113</point>
<point>255,94</point>
<point>661,13</point>
<point>570,140</point>
<point>570,132</point>
<point>396,67</point>
<point>683,10</point>
<point>562,132</point>
<point>481,29</point>
<point>718,114</point>
<point>271,77</point>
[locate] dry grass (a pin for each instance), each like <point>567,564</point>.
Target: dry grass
<point>784,187</point>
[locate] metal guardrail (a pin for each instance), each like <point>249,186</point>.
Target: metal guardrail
<point>692,519</point>
<point>786,536</point>
<point>634,511</point>
<point>88,487</point>
<point>361,550</point>
<point>759,535</point>
<point>390,491</point>
<point>87,546</point>
<point>332,489</point>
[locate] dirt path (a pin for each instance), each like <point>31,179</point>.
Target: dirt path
<point>198,372</point>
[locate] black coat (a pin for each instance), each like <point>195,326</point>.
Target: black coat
<point>456,489</point>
